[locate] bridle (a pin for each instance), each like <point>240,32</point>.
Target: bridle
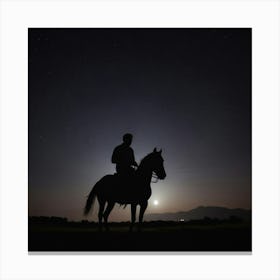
<point>154,176</point>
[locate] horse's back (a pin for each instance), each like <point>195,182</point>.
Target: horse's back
<point>122,190</point>
<point>106,178</point>
<point>106,185</point>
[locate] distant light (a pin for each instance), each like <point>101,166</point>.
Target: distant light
<point>182,220</point>
<point>155,202</point>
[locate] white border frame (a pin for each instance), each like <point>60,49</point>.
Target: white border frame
<point>17,16</point>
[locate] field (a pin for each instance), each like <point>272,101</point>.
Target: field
<point>154,236</point>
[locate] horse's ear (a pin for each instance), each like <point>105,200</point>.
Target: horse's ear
<point>160,151</point>
<point>155,150</point>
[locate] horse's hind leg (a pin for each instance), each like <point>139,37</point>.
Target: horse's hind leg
<point>100,212</point>
<point>107,212</point>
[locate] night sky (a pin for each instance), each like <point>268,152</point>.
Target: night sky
<point>187,91</point>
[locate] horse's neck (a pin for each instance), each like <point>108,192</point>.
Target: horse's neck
<point>145,173</point>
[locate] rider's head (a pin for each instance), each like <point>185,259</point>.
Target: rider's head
<point>127,139</point>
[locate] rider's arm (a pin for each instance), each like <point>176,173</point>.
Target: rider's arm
<point>134,163</point>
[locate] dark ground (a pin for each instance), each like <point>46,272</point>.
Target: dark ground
<point>155,236</point>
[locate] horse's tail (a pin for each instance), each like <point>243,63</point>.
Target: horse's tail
<point>90,200</point>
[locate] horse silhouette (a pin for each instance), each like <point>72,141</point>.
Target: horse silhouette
<point>134,190</point>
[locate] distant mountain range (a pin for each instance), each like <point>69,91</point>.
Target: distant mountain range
<point>200,213</point>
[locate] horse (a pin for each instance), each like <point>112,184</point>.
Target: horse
<point>112,189</point>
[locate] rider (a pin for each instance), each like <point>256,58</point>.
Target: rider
<point>123,156</point>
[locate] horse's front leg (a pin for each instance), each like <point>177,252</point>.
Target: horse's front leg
<point>143,207</point>
<point>133,215</point>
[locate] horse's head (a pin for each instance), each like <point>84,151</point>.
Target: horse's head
<point>156,161</point>
<point>153,162</point>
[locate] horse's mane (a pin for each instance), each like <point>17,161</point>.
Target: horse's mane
<point>146,158</point>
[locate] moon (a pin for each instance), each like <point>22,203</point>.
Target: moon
<point>155,202</point>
